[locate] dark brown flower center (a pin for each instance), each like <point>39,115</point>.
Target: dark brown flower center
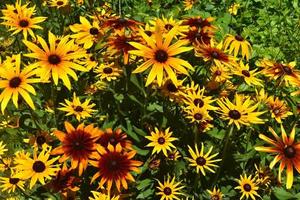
<point>40,140</point>
<point>59,3</point>
<point>246,73</point>
<point>200,161</point>
<point>167,191</point>
<point>247,187</point>
<point>23,23</point>
<point>290,151</point>
<point>78,109</point>
<point>218,72</point>
<point>78,145</point>
<point>239,38</point>
<point>54,59</point>
<point>161,56</point>
<point>298,106</point>
<point>107,70</point>
<point>215,55</point>
<point>94,31</point>
<point>199,103</point>
<point>198,116</point>
<point>113,164</point>
<point>276,111</point>
<point>15,82</point>
<point>171,156</point>
<point>287,70</point>
<point>234,114</point>
<point>161,140</point>
<point>112,141</point>
<point>149,33</point>
<point>171,87</point>
<point>168,27</point>
<point>215,197</point>
<point>13,180</point>
<point>38,166</point>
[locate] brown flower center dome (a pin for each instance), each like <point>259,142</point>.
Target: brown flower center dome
<point>38,166</point>
<point>239,38</point>
<point>54,59</point>
<point>78,109</point>
<point>199,103</point>
<point>161,140</point>
<point>161,56</point>
<point>23,23</point>
<point>200,161</point>
<point>94,31</point>
<point>107,70</point>
<point>171,87</point>
<point>167,191</point>
<point>13,180</point>
<point>40,140</point>
<point>15,82</point>
<point>289,152</point>
<point>198,116</point>
<point>246,73</point>
<point>247,187</point>
<point>234,114</point>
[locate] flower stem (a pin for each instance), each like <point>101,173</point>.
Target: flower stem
<point>225,149</point>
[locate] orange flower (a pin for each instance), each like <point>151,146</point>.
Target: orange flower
<point>78,144</point>
<point>114,166</point>
<point>287,151</point>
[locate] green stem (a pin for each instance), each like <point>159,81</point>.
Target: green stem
<point>225,149</point>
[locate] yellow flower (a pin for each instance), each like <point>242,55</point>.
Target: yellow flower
<point>58,3</point>
<point>161,141</point>
<point>220,73</point>
<point>160,55</point>
<point>19,19</point>
<point>233,9</point>
<point>188,4</point>
<point>202,161</point>
<point>75,107</point>
<point>17,82</point>
<point>108,71</point>
<point>242,111</point>
<point>58,60</point>
<point>10,184</point>
<point>248,75</point>
<point>248,187</point>
<point>86,33</point>
<point>278,108</point>
<point>102,196</point>
<point>235,43</point>
<point>215,194</point>
<point>169,189</point>
<point>38,168</point>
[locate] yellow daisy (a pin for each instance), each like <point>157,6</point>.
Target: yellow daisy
<point>75,107</point>
<point>58,3</point>
<point>215,194</point>
<point>248,187</point>
<point>248,75</point>
<point>10,184</point>
<point>86,33</point>
<point>202,161</point>
<point>169,189</point>
<point>161,141</point>
<point>38,168</point>
<point>20,19</point>
<point>278,108</point>
<point>102,196</point>
<point>242,111</point>
<point>58,60</point>
<point>15,82</point>
<point>108,71</point>
<point>236,43</point>
<point>160,55</point>
<point>220,73</point>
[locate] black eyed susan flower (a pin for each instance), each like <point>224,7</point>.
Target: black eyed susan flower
<point>114,137</point>
<point>196,98</point>
<point>77,144</point>
<point>214,54</point>
<point>16,81</point>
<point>161,141</point>
<point>20,19</point>
<point>169,189</point>
<point>194,36</point>
<point>160,54</point>
<point>108,71</point>
<point>172,91</point>
<point>263,175</point>
<point>202,161</point>
<point>278,108</point>
<point>86,33</point>
<point>241,111</point>
<point>102,196</point>
<point>249,76</point>
<point>56,61</point>
<point>199,22</point>
<point>285,72</point>
<point>215,194</point>
<point>196,114</point>
<point>10,184</point>
<point>188,4</point>
<point>114,166</point>
<point>247,187</point>
<point>41,140</point>
<point>233,9</point>
<point>286,151</point>
<point>37,169</point>
<point>58,3</point>
<point>2,148</point>
<point>236,43</point>
<point>174,155</point>
<point>5,163</point>
<point>221,73</point>
<point>75,107</point>
<point>115,23</point>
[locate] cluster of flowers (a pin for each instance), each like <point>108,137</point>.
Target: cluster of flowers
<point>105,44</point>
